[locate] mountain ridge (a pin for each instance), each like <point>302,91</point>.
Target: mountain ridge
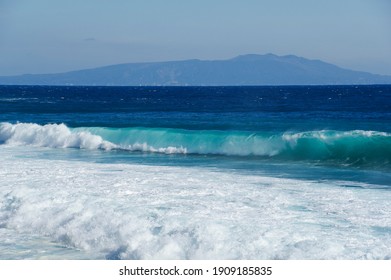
<point>242,70</point>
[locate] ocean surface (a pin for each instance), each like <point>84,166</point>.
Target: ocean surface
<point>195,172</point>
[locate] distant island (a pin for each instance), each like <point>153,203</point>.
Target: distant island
<point>243,70</point>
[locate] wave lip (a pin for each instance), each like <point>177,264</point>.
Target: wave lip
<point>50,135</point>
<point>353,147</point>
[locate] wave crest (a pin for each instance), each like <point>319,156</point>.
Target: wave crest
<point>346,147</point>
<point>50,135</point>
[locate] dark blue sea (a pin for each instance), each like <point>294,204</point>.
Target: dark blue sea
<point>299,172</point>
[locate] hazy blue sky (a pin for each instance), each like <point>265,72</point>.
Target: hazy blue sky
<point>45,36</point>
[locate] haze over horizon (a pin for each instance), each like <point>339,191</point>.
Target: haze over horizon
<point>243,70</point>
<point>46,36</point>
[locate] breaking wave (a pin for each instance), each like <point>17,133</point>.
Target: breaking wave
<point>357,147</point>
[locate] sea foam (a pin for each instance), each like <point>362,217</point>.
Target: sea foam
<point>50,135</point>
<point>128,211</point>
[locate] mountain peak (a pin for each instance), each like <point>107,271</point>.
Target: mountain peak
<point>253,57</point>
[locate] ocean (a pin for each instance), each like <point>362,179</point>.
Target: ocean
<point>293,172</point>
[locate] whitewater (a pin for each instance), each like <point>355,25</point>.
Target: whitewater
<point>195,173</point>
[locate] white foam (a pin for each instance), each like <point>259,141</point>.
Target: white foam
<point>156,212</point>
<point>144,147</point>
<point>329,136</point>
<point>50,135</point>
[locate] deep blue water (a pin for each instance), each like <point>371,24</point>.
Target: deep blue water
<point>236,108</point>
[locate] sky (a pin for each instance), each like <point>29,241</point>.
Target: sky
<point>52,36</point>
